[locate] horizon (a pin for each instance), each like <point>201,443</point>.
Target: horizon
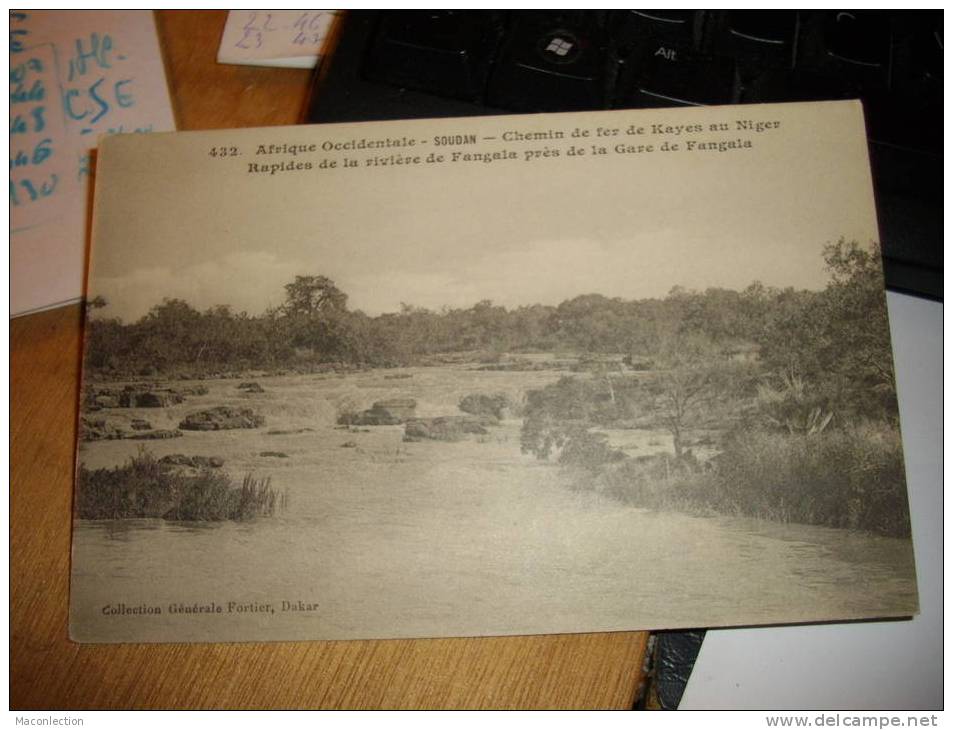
<point>104,311</point>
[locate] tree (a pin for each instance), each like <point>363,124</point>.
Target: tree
<point>169,334</point>
<point>312,309</point>
<point>693,375</point>
<point>309,295</point>
<point>560,416</point>
<point>837,340</point>
<point>856,315</point>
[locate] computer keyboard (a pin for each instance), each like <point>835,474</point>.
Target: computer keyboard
<point>412,64</point>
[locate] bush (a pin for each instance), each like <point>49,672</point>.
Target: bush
<point>850,478</point>
<point>659,482</point>
<point>146,487</point>
<point>588,450</point>
<point>485,405</point>
<point>558,413</point>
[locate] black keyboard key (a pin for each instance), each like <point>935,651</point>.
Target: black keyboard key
<point>766,28</point>
<point>675,77</point>
<point>912,114</point>
<point>760,38</point>
<point>551,62</point>
<point>783,85</point>
<point>633,30</point>
<point>858,37</point>
<point>443,52</point>
<point>929,52</point>
<point>852,48</point>
<point>917,54</point>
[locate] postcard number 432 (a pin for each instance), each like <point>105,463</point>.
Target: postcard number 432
<point>224,152</point>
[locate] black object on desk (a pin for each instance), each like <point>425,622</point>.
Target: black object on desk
<point>417,64</point>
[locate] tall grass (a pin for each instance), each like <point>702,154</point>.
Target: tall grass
<point>850,478</point>
<point>145,487</point>
<point>256,497</point>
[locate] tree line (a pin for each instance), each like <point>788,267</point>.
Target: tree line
<point>806,431</point>
<point>836,338</point>
<point>796,387</point>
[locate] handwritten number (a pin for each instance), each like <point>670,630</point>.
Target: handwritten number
<point>92,102</point>
<point>250,36</point>
<point>315,23</point>
<point>45,189</point>
<point>42,151</point>
<point>251,25</point>
<point>307,21</point>
<point>16,43</point>
<point>312,39</point>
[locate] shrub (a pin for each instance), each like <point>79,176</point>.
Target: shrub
<point>659,482</point>
<point>850,478</point>
<point>147,487</point>
<point>588,450</point>
<point>485,405</point>
<point>558,413</point>
<point>853,477</point>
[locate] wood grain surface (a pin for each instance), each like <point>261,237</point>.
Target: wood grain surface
<point>48,671</point>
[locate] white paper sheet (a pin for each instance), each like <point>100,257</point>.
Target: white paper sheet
<point>293,38</point>
<point>74,76</point>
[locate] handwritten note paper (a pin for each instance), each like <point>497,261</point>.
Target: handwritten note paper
<point>292,38</point>
<point>74,75</point>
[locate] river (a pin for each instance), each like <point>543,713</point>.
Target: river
<point>383,538</point>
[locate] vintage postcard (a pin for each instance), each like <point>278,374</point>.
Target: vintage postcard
<point>500,375</point>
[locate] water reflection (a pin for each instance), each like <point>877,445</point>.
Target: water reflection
<point>128,530</point>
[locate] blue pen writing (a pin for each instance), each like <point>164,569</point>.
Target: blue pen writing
<point>97,52</point>
<point>95,102</point>
<point>17,34</point>
<point>41,152</point>
<point>32,122</point>
<point>44,190</point>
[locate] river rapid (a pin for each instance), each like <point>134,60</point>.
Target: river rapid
<point>383,538</point>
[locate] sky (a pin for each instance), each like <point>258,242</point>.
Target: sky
<point>171,222</point>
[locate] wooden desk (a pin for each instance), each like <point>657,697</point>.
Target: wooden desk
<point>49,671</point>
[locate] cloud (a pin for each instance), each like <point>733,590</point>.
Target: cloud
<point>647,263</point>
<point>245,280</point>
<point>540,272</point>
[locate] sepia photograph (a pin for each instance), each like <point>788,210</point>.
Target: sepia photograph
<point>503,389</point>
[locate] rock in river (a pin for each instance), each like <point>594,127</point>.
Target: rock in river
<point>221,418</point>
<point>391,412</point>
<point>148,398</point>
<point>443,428</point>
<point>159,433</point>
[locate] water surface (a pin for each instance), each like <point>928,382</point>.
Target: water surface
<point>393,539</point>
